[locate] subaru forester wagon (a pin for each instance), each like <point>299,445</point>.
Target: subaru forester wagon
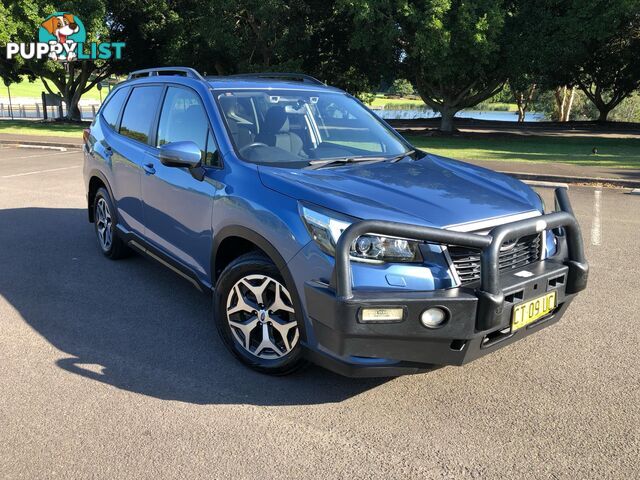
<point>322,235</point>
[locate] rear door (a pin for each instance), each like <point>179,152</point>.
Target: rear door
<point>177,206</point>
<point>128,150</point>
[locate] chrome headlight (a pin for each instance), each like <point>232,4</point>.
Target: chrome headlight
<point>325,227</point>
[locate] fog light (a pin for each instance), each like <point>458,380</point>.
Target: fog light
<point>433,317</point>
<point>382,314</point>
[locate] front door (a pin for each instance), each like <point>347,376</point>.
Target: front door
<point>177,206</point>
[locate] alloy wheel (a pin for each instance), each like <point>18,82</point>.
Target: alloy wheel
<point>262,318</point>
<point>104,224</point>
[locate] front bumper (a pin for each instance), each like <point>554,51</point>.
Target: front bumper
<point>479,320</point>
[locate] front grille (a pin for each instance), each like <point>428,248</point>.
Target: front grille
<point>466,261</point>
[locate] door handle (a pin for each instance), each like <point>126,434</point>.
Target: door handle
<point>149,168</point>
<point>108,151</point>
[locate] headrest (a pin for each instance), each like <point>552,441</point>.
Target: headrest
<point>276,120</point>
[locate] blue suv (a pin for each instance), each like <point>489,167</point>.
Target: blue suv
<point>321,233</point>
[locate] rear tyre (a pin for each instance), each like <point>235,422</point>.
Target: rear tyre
<point>255,316</point>
<point>105,221</point>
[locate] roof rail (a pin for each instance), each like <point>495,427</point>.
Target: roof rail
<point>297,77</point>
<point>155,72</point>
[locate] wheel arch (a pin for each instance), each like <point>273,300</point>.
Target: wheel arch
<point>233,241</point>
<point>97,180</point>
<point>228,236</point>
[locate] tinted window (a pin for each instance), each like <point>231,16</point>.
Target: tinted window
<point>212,158</point>
<point>140,112</point>
<point>111,110</point>
<point>183,118</point>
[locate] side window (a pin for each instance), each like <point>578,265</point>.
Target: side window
<point>140,112</point>
<point>111,110</point>
<point>212,159</point>
<point>183,118</point>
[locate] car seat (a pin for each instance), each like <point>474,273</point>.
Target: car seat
<point>275,132</point>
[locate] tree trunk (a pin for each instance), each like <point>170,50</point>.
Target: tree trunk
<point>448,101</point>
<point>564,102</point>
<point>524,99</point>
<point>521,106</point>
<point>446,120</point>
<point>569,105</point>
<point>596,97</point>
<point>559,96</point>
<point>71,99</point>
<point>73,109</point>
<point>604,113</point>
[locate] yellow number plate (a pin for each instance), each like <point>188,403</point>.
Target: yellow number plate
<point>528,312</point>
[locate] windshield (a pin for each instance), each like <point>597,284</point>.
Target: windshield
<point>293,128</point>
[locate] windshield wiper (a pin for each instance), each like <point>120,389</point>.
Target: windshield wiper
<point>397,158</point>
<point>315,164</point>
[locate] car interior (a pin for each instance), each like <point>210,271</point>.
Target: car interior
<point>283,127</point>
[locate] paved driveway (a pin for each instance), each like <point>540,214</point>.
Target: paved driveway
<point>113,369</point>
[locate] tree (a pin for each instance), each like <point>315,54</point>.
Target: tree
<point>586,44</point>
<point>78,77</point>
<point>609,70</point>
<point>455,51</point>
<point>8,32</point>
<point>565,96</point>
<point>104,20</point>
<point>246,36</point>
<point>542,53</point>
<point>451,50</point>
<point>156,33</point>
<point>14,30</point>
<point>401,87</point>
<point>316,37</point>
<point>369,37</point>
<point>524,92</point>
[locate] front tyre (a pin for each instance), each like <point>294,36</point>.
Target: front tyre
<point>255,315</point>
<point>104,219</point>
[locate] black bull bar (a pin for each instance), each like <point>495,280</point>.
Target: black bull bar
<point>490,295</point>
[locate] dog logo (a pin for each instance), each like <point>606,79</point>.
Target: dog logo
<point>65,29</point>
<point>62,37</point>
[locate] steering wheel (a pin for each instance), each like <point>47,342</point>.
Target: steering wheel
<point>252,145</point>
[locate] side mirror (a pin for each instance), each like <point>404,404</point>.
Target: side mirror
<point>180,154</point>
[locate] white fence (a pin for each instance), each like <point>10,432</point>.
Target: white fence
<point>35,111</point>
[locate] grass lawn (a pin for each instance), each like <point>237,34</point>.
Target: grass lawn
<point>612,152</point>
<point>51,129</point>
<point>35,89</point>
<point>497,106</point>
<point>380,101</point>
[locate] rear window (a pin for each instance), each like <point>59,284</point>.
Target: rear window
<point>140,112</point>
<point>111,110</point>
